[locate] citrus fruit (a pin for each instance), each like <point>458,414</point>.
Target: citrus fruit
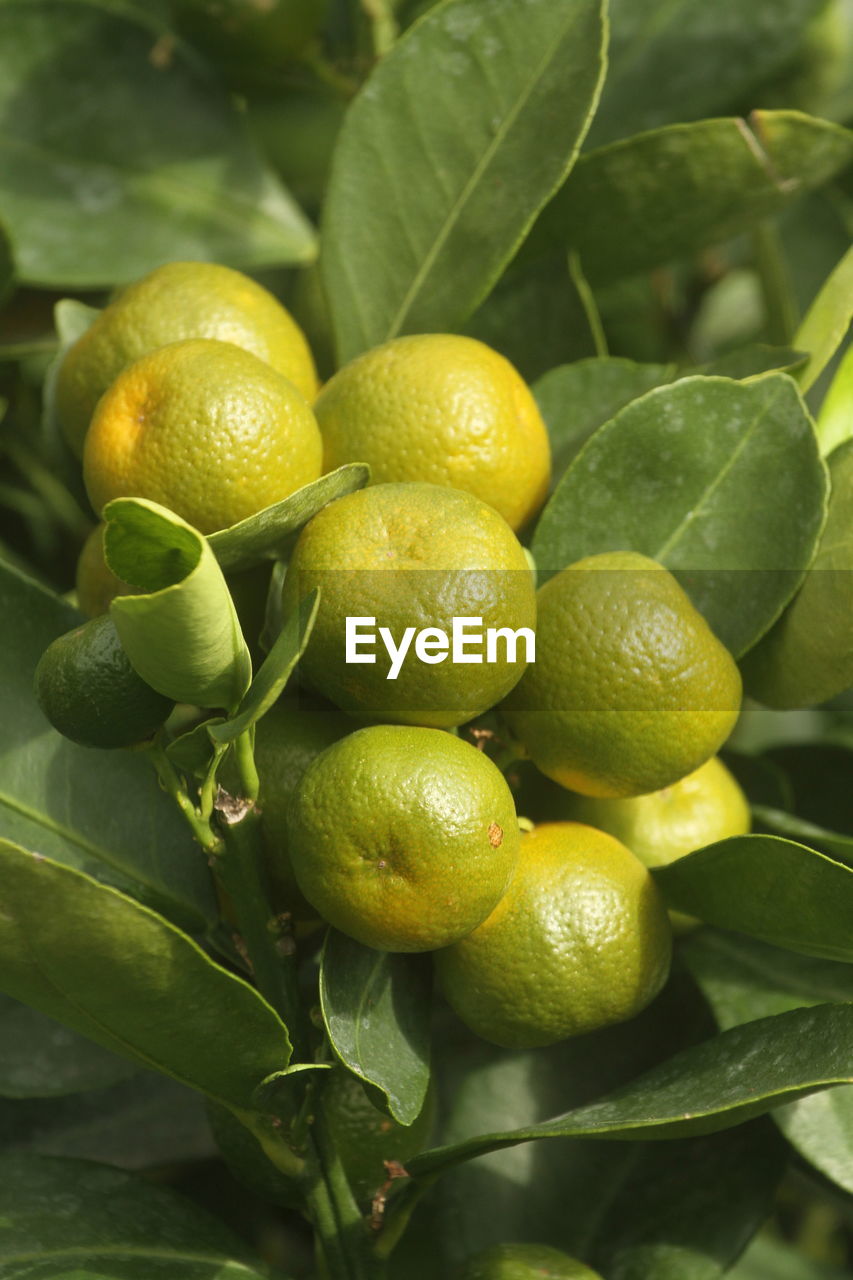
<point>445,409</point>
<point>204,428</point>
<point>176,301</point>
<point>366,1137</point>
<point>631,689</point>
<point>412,557</point>
<point>287,739</point>
<point>579,941</point>
<point>403,838</point>
<point>96,584</point>
<point>524,1262</point>
<point>91,694</point>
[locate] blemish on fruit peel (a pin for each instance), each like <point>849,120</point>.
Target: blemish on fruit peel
<point>468,642</point>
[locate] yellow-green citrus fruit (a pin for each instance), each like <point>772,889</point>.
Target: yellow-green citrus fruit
<point>204,428</point>
<point>292,734</point>
<point>631,690</point>
<point>524,1262</point>
<point>366,1137</point>
<point>580,940</point>
<point>91,694</point>
<point>403,838</point>
<point>96,584</point>
<point>445,409</point>
<point>412,556</point>
<point>176,301</point>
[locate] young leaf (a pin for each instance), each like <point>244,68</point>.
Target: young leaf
<point>664,195</point>
<point>416,171</point>
<point>183,635</point>
<point>39,1058</point>
<point>275,672</point>
<point>826,322</point>
<point>835,420</point>
<point>733,1077</point>
<point>132,982</point>
<point>376,1009</point>
<point>676,60</point>
<point>99,811</point>
<point>807,657</point>
<point>726,884</point>
<point>91,206</point>
<point>263,535</point>
<point>576,399</point>
<point>73,1218</point>
<point>720,481</point>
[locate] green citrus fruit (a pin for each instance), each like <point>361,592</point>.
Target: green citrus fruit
<point>176,301</point>
<point>404,838</point>
<point>524,1262</point>
<point>579,941</point>
<point>631,690</point>
<point>441,408</point>
<point>366,1137</point>
<point>204,428</point>
<point>88,690</point>
<point>287,739</point>
<point>412,556</point>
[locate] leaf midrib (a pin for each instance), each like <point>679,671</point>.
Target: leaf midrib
<point>125,1251</point>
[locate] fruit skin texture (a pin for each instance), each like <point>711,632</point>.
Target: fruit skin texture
<point>177,301</point>
<point>524,1262</point>
<point>403,838</point>
<point>204,428</point>
<point>91,694</point>
<point>579,941</point>
<point>441,408</point>
<point>631,690</point>
<point>410,555</point>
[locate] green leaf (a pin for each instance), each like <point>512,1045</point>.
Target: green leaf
<point>826,322</point>
<point>274,673</point>
<point>99,811</point>
<point>76,1220</point>
<point>39,1058</point>
<point>183,635</point>
<point>657,197</point>
<point>767,1259</point>
<point>728,884</point>
<point>576,399</point>
<point>753,360</point>
<point>264,535</point>
<point>818,777</point>
<point>835,420</point>
<point>130,981</point>
<point>416,171</point>
<point>677,60</point>
<point>99,188</point>
<point>788,824</point>
<point>807,657</point>
<point>710,477</point>
<point>733,1077</point>
<point>376,1009</point>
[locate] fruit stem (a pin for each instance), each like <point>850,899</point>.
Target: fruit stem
<point>171,783</point>
<point>244,757</point>
<point>589,305</point>
<point>340,1223</point>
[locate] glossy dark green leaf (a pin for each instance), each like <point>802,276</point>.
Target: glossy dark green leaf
<point>39,1058</point>
<point>676,60</point>
<point>100,187</point>
<point>181,631</point>
<point>418,174</point>
<point>264,535</point>
<point>132,982</point>
<point>70,1218</point>
<point>720,481</point>
<point>100,811</point>
<point>576,399</point>
<point>826,322</point>
<point>770,888</point>
<point>275,671</point>
<point>733,1077</point>
<point>807,657</point>
<point>664,195</point>
<point>376,1009</point>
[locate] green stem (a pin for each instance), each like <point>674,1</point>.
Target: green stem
<point>244,756</point>
<point>779,304</point>
<point>590,307</point>
<point>383,25</point>
<point>171,782</point>
<point>400,1215</point>
<point>349,1254</point>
